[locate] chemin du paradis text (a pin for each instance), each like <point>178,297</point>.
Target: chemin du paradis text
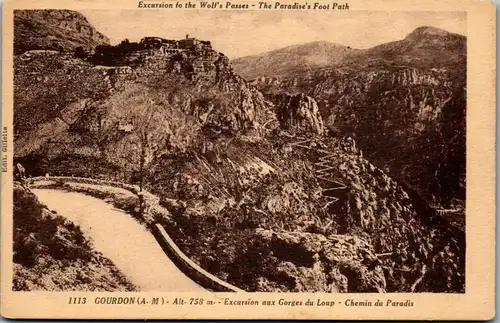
<point>182,301</point>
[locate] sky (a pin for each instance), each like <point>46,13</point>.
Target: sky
<point>251,32</point>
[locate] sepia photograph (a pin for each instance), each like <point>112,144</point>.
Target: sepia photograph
<point>219,151</point>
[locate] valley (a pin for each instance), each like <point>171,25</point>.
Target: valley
<point>406,112</point>
<point>314,168</point>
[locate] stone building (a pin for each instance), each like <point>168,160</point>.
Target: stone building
<point>189,55</point>
<point>206,45</point>
<point>190,43</point>
<point>168,51</point>
<point>198,66</point>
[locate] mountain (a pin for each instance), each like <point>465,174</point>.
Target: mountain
<point>54,30</point>
<point>425,47</point>
<point>246,177</point>
<point>422,48</point>
<point>403,102</point>
<point>304,214</point>
<point>293,58</point>
<point>87,105</point>
<point>425,39</point>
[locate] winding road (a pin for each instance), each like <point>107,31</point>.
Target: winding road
<point>115,234</point>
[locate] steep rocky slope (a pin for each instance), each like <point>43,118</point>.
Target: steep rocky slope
<point>72,109</point>
<point>273,214</point>
<point>262,191</point>
<point>54,30</point>
<point>404,102</point>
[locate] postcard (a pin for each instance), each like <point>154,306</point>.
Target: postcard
<point>251,159</point>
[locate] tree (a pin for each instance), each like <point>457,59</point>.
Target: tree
<point>146,126</point>
<point>148,132</point>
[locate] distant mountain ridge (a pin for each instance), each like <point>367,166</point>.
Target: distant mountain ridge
<point>424,47</point>
<point>425,42</point>
<point>288,59</point>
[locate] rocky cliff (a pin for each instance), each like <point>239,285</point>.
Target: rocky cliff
<point>90,111</point>
<point>310,196</point>
<point>54,30</point>
<point>404,102</point>
<point>299,112</point>
<point>309,262</point>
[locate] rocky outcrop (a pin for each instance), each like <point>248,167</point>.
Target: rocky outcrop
<point>83,104</point>
<point>63,30</point>
<point>299,112</point>
<point>309,262</point>
<point>242,107</point>
<point>398,222</point>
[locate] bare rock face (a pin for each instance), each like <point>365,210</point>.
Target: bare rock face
<point>400,225</point>
<point>311,262</point>
<point>300,112</point>
<point>241,106</point>
<point>54,30</point>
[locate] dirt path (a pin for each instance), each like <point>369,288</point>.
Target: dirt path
<point>121,239</point>
<point>323,169</point>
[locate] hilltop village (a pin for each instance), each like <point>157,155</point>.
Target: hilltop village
<point>189,56</point>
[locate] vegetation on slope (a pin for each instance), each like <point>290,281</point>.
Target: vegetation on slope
<point>244,211</point>
<point>64,30</point>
